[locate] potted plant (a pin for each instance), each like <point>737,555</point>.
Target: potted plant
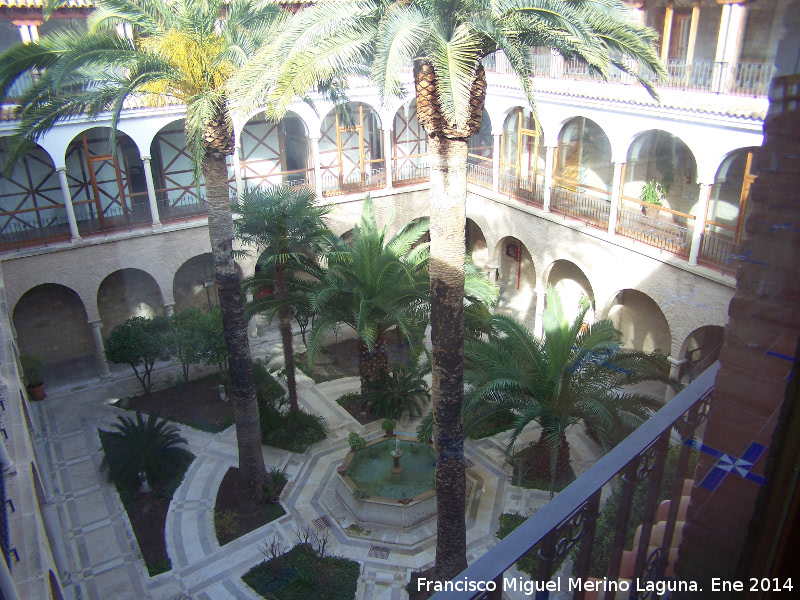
<point>32,369</point>
<point>356,441</point>
<point>652,196</point>
<point>388,426</point>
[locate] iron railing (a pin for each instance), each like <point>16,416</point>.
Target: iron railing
<point>654,231</point>
<point>5,543</point>
<point>187,207</point>
<point>521,188</point>
<point>112,218</point>
<point>479,175</point>
<point>18,233</point>
<point>409,174</point>
<point>719,252</point>
<point>592,211</point>
<point>333,185</point>
<point>566,524</point>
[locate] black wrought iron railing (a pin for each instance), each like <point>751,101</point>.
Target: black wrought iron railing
<point>654,231</point>
<point>720,252</point>
<point>333,185</point>
<point>479,175</point>
<point>34,228</point>
<point>409,174</point>
<point>567,524</point>
<point>112,218</point>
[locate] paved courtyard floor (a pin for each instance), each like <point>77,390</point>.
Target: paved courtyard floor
<point>103,556</point>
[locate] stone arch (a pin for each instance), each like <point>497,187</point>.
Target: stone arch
<point>641,321</point>
<point>660,156</point>
<point>177,191</point>
<point>522,150</point>
<point>409,146</point>
<point>516,278</point>
<point>105,183</point>
<point>476,245</point>
<point>583,155</point>
<point>194,284</point>
<point>127,293</point>
<point>701,347</point>
<point>571,283</point>
<point>729,194</point>
<point>51,321</point>
<point>275,153</point>
<point>481,145</point>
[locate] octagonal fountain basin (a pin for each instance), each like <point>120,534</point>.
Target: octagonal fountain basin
<point>397,499</point>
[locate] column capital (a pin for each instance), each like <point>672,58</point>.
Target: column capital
<point>146,157</point>
<point>95,322</point>
<point>61,169</point>
<point>675,361</point>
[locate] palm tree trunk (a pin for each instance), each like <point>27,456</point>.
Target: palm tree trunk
<point>372,366</point>
<point>542,459</point>
<point>252,471</point>
<point>285,317</point>
<point>447,255</point>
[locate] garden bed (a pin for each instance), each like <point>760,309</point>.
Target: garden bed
<point>351,402</point>
<point>195,404</point>
<point>301,574</point>
<point>341,359</point>
<point>234,517</point>
<point>147,513</point>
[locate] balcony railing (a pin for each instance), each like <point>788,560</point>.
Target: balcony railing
<point>523,189</point>
<point>719,252</point>
<point>479,175</point>
<point>187,207</point>
<point>592,211</point>
<point>566,525</point>
<point>410,174</point>
<point>334,185</point>
<point>113,218</point>
<point>48,225</point>
<point>654,232</point>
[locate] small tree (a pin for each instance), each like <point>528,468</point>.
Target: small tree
<point>139,341</point>
<point>187,338</point>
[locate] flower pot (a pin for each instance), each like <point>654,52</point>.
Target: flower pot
<point>341,470</point>
<point>36,392</point>
<point>650,211</point>
<point>389,433</point>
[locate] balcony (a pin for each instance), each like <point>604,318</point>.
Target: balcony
<point>577,204</point>
<point>654,230</point>
<point>358,181</point>
<point>522,189</point>
<point>566,526</point>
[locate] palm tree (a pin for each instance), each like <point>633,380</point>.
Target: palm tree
<point>444,42</point>
<point>286,226</point>
<point>575,374</point>
<point>182,49</point>
<point>372,285</point>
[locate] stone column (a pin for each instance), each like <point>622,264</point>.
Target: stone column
<point>496,164</point>
<point>538,328</point>
<point>317,168</point>
<point>616,192</point>
<point>730,30</point>
<point>24,34</point>
<point>692,39</point>
<point>65,195</point>
<point>169,307</point>
<point>99,348</point>
<point>388,151</point>
<point>699,223</point>
<point>252,327</point>
<point>665,39</point>
<point>549,165</point>
<point>151,192</point>
<point>491,271</point>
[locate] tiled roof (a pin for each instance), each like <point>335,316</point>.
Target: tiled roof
<point>131,103</point>
<point>39,4</point>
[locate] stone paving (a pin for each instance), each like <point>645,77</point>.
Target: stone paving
<point>102,552</point>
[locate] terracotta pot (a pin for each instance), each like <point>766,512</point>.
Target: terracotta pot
<point>389,433</point>
<point>341,470</point>
<point>651,211</point>
<point>37,393</point>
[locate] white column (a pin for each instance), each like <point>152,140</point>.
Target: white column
<point>99,348</point>
<point>317,167</point>
<point>730,30</point>
<point>7,588</point>
<point>237,167</point>
<point>699,223</point>
<point>491,271</point>
<point>252,327</point>
<point>65,195</point>
<point>538,328</point>
<point>549,165</point>
<point>24,34</point>
<point>151,192</point>
<point>616,191</point>
<point>496,163</point>
<point>388,151</point>
<point>169,307</point>
<point>665,38</point>
<point>5,459</point>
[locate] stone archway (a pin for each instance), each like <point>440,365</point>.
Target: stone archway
<point>516,278</point>
<point>641,321</point>
<point>194,284</point>
<point>128,293</point>
<point>572,285</point>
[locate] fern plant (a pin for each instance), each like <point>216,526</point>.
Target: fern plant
<point>154,446</point>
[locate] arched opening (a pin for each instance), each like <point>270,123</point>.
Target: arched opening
<point>479,154</point>
<point>475,243</point>
<point>641,321</point>
<point>194,284</point>
<point>178,193</point>
<point>522,157</point>
<point>351,150</point>
<point>583,158</point>
<point>409,147</point>
<point>572,286</point>
<point>50,321</point>
<point>700,349</point>
<point>128,293</point>
<point>108,186</point>
<point>275,153</point>
<point>516,278</point>
<point>31,203</point>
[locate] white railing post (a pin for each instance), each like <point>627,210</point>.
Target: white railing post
<point>699,223</point>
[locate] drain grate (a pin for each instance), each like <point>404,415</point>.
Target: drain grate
<point>379,552</point>
<point>322,523</point>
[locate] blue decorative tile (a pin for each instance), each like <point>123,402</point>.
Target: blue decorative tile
<point>729,464</point>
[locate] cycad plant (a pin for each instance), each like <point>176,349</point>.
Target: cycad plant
<point>441,43</point>
<point>575,374</point>
<point>184,50</point>
<point>403,391</point>
<point>153,446</point>
<point>286,226</point>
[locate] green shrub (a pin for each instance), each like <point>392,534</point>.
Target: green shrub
<point>268,389</point>
<point>349,399</point>
<point>388,424</point>
<point>152,446</point>
<point>356,441</point>
<point>404,390</point>
<point>288,430</point>
<point>301,574</point>
<point>140,342</point>
<point>32,368</point>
